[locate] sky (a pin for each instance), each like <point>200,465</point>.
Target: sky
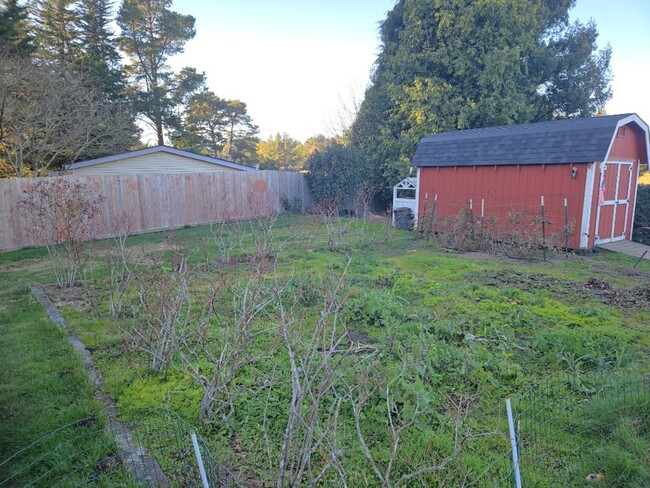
<point>301,66</point>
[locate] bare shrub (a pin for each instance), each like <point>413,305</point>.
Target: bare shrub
<point>401,416</point>
<point>120,274</point>
<point>362,200</point>
<point>265,247</point>
<point>62,213</point>
<point>215,363</point>
<point>518,235</point>
<point>336,227</point>
<point>227,232</point>
<point>455,232</point>
<point>162,316</point>
<point>319,354</point>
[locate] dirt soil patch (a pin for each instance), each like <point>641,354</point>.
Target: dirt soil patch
<point>75,297</point>
<point>593,288</point>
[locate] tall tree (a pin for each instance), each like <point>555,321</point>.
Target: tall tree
<point>241,133</point>
<point>100,60</point>
<point>280,152</point>
<point>56,24</point>
<point>455,64</point>
<point>221,128</point>
<point>151,33</point>
<point>14,32</point>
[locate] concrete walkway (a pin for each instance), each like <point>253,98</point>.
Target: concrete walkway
<point>630,248</point>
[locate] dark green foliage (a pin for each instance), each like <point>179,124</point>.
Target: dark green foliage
<point>642,215</point>
<point>151,33</point>
<point>336,172</point>
<point>56,24</point>
<point>458,64</point>
<point>100,59</point>
<point>14,35</point>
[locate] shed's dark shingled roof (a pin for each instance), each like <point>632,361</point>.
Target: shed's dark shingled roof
<point>558,141</point>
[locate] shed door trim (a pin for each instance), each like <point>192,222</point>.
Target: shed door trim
<point>586,205</point>
<point>615,202</point>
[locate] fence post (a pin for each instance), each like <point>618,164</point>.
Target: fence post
<point>471,216</point>
<point>513,443</point>
<point>566,229</point>
<point>543,229</point>
<point>433,211</point>
<point>199,459</point>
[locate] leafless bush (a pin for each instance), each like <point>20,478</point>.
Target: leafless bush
<point>362,200</point>
<point>265,247</point>
<point>336,227</point>
<point>455,232</point>
<point>215,363</point>
<point>120,273</point>
<point>516,235</point>
<point>319,354</point>
<point>227,232</point>
<point>162,316</point>
<point>62,214</point>
<point>519,235</point>
<point>400,418</point>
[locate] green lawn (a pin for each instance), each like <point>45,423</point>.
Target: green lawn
<point>444,332</point>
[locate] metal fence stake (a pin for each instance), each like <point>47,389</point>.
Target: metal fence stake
<point>204,477</point>
<point>513,443</point>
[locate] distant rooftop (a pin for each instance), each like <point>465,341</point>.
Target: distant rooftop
<point>558,141</point>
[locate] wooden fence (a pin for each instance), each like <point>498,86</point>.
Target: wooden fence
<point>154,202</point>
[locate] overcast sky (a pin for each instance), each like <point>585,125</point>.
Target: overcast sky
<point>298,64</point>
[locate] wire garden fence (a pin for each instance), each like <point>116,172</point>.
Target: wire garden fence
<point>574,429</point>
<point>565,429</point>
<point>147,448</point>
<point>522,230</point>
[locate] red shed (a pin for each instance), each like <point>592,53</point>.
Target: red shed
<point>591,163</point>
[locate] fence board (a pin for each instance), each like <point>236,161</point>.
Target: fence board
<point>163,201</point>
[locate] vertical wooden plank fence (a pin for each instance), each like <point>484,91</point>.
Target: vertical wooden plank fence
<point>155,202</point>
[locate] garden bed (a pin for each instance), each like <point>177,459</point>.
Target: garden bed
<point>366,353</point>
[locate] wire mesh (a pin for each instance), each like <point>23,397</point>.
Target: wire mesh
<point>143,448</point>
<point>560,420</point>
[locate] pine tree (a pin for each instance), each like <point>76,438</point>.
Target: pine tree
<point>56,24</point>
<point>14,33</point>
<point>151,33</point>
<point>100,59</point>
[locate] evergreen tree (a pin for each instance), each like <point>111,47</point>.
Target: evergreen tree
<point>335,172</point>
<point>100,59</point>
<point>95,34</point>
<point>456,64</point>
<point>56,25</point>
<point>14,34</point>
<point>280,152</point>
<point>151,33</point>
<point>241,133</point>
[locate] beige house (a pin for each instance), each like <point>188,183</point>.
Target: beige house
<point>158,159</point>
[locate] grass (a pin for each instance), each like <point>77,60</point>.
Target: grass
<point>43,387</point>
<point>469,326</point>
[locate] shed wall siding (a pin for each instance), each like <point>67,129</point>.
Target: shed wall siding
<point>149,164</point>
<point>506,189</point>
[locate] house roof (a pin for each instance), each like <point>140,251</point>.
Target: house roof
<point>559,141</point>
<point>156,149</point>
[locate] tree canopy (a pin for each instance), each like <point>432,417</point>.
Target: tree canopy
<point>151,33</point>
<point>460,64</point>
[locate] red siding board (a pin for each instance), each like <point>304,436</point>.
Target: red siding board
<point>509,189</point>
